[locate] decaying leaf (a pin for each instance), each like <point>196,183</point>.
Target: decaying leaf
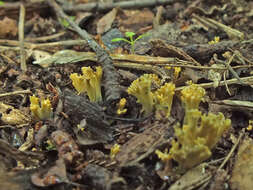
<point>193,178</point>
<point>12,116</point>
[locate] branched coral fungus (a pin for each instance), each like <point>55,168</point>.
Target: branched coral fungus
<point>164,97</point>
<point>141,89</point>
<point>89,82</point>
<point>212,127</point>
<point>78,82</point>
<point>41,110</point>
<point>191,96</point>
<point>199,133</point>
<point>196,139</point>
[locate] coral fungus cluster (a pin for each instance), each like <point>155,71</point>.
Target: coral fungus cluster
<point>41,109</point>
<point>89,82</point>
<point>199,133</point>
<point>197,137</point>
<point>160,99</point>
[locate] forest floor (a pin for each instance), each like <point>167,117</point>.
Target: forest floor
<point>72,118</point>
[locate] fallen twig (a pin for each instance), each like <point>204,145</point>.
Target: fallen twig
<point>21,37</point>
<point>246,80</point>
<point>123,5</point>
<point>29,45</point>
<point>15,93</point>
<point>45,38</point>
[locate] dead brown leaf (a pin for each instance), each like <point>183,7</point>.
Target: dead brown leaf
<point>105,23</point>
<point>136,20</point>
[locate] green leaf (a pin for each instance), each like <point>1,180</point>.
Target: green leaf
<point>117,39</point>
<point>142,36</point>
<point>129,34</point>
<point>120,39</point>
<point>1,3</point>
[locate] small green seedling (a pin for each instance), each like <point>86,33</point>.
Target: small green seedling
<point>131,40</point>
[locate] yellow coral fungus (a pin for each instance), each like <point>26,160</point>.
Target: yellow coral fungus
<point>41,110</point>
<point>212,127</point>
<point>141,89</point>
<point>250,126</point>
<point>215,40</point>
<point>164,156</point>
<point>114,150</point>
<point>78,82</point>
<point>191,97</point>
<point>89,82</point>
<point>177,70</point>
<point>196,138</point>
<point>164,97</point>
<point>121,106</point>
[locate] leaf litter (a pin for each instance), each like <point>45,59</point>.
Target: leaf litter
<point>71,149</point>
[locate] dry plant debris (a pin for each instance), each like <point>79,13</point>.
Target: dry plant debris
<point>172,109</point>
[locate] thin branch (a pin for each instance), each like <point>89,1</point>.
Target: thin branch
<point>29,45</point>
<point>112,91</point>
<point>45,38</point>
<point>100,7</point>
<point>246,80</point>
<point>15,93</point>
<point>12,8</point>
<point>21,37</point>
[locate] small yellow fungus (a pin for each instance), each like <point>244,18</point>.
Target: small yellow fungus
<point>164,156</point>
<point>114,150</point>
<point>121,106</point>
<point>215,40</point>
<point>164,97</point>
<point>89,82</point>
<point>41,110</point>
<point>141,89</point>
<point>177,70</point>
<point>79,127</point>
<point>250,126</point>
